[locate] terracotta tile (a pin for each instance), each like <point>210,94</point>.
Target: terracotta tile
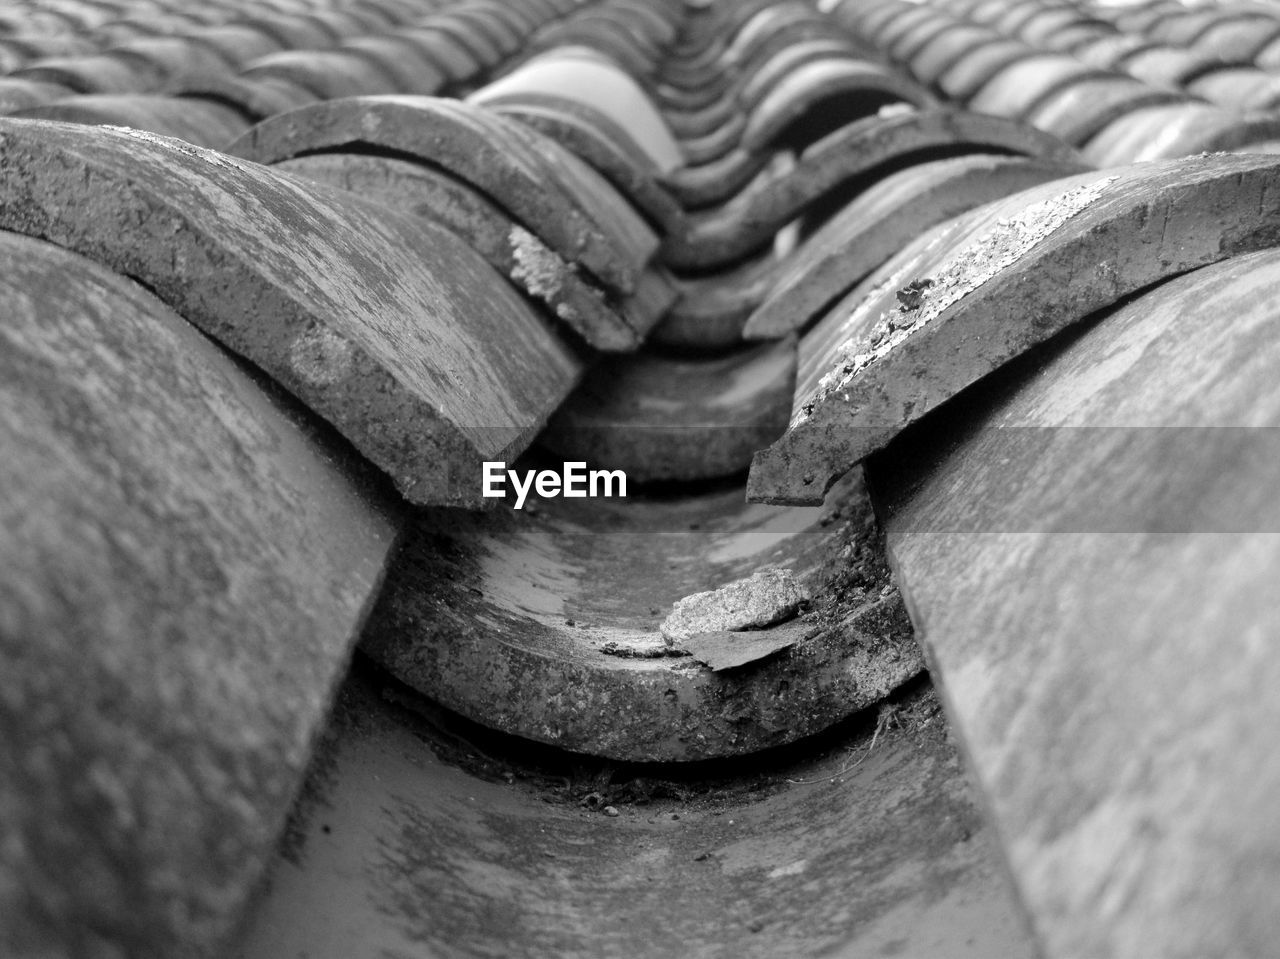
<point>662,418</point>
<point>465,141</point>
<point>515,252</point>
<point>1012,273</point>
<point>524,607</point>
<point>882,221</point>
<point>751,218</point>
<point>205,124</point>
<point>1093,548</point>
<point>197,562</point>
<point>387,326</point>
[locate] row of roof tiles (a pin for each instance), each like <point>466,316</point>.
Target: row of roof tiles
<point>424,283</point>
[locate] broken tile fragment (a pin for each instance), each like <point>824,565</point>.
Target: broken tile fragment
<point>768,596</point>
<point>725,650</point>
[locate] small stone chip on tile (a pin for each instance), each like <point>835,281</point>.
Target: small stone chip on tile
<point>726,649</point>
<point>768,596</point>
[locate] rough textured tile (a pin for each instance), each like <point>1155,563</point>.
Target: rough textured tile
<point>622,226</point>
<point>882,220</point>
<point>1240,41</point>
<point>974,293</point>
<point>386,325</point>
<point>1168,66</point>
<point>458,63</point>
<point>666,418</point>
<point>723,651</point>
<point>460,32</point>
<point>545,622</point>
<point>18,94</point>
<point>468,143</point>
<point>687,124</point>
<point>517,254</point>
<point>172,57</point>
<point>606,147</point>
<point>202,123</point>
<point>238,43</point>
<point>1242,89</point>
<point>751,218</point>
<point>1092,570</point>
<point>185,570</point>
<point>870,851</point>
<point>769,595</point>
<point>1110,50</point>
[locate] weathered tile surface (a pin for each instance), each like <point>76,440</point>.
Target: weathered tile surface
<point>467,142</point>
<point>856,859</point>
<point>606,146</point>
<point>386,325</point>
<point>1089,557</point>
<point>201,122</point>
<point>720,235</point>
<point>545,622</point>
<point>185,568</point>
<point>882,220</point>
<point>517,254</point>
<point>667,418</point>
<point>978,291</point>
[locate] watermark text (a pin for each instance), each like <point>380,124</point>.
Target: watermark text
<point>574,481</point>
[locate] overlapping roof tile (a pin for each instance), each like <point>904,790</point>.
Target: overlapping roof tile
<point>281,277</point>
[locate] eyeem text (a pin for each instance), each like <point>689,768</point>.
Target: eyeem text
<point>574,481</point>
